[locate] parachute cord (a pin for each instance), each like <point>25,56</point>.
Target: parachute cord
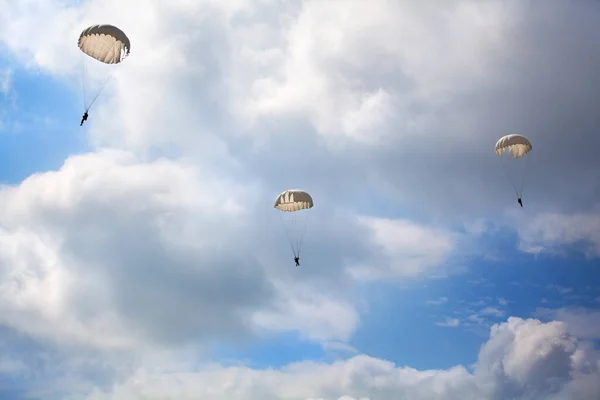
<point>509,177</point>
<point>83,86</point>
<point>296,237</point>
<point>287,234</point>
<point>98,94</point>
<point>106,81</point>
<point>524,176</point>
<point>301,238</point>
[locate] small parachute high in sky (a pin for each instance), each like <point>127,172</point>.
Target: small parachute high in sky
<point>294,204</point>
<point>103,45</point>
<point>515,147</point>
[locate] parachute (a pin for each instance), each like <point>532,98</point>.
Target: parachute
<point>294,204</point>
<point>107,45</point>
<point>518,146</point>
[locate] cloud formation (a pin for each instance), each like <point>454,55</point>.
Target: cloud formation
<point>523,359</point>
<point>164,237</point>
<point>427,132</point>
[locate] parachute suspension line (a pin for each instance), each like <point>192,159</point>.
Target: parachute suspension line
<point>301,236</point>
<point>107,79</point>
<point>524,176</point>
<point>517,188</point>
<point>287,234</point>
<point>505,168</point>
<point>83,86</point>
<point>99,91</point>
<point>295,232</point>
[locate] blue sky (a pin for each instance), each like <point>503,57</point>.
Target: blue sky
<point>141,254</point>
<point>29,145</point>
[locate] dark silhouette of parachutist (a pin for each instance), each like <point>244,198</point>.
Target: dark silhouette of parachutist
<point>297,260</point>
<point>84,118</point>
<point>520,201</point>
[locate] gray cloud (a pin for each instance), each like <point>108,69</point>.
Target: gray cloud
<point>435,154</point>
<point>539,84</point>
<point>160,253</point>
<point>405,104</point>
<point>581,322</point>
<point>532,73</point>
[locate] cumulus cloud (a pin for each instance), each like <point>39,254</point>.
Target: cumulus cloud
<point>530,359</point>
<point>522,359</point>
<point>552,232</point>
<point>164,236</point>
<point>107,246</point>
<point>115,252</point>
<point>231,73</point>
<point>581,322</point>
<point>410,249</point>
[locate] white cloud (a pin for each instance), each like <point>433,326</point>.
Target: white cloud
<point>475,318</point>
<point>123,253</point>
<point>560,289</point>
<point>248,74</point>
<point>581,322</point>
<point>523,359</point>
<point>6,76</point>
<point>438,302</point>
<point>493,311</point>
<point>410,250</point>
<point>121,250</point>
<point>478,227</point>
<point>339,347</point>
<point>530,358</point>
<point>449,323</point>
<point>323,75</point>
<point>304,310</point>
<point>551,232</point>
<point>110,251</point>
<point>98,250</point>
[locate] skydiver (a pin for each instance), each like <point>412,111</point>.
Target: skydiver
<point>84,118</point>
<point>520,201</point>
<point>297,261</point>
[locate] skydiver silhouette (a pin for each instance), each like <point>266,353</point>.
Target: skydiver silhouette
<point>297,261</point>
<point>84,118</point>
<point>520,201</point>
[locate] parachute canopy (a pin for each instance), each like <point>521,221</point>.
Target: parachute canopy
<point>516,144</point>
<point>105,43</point>
<point>293,200</point>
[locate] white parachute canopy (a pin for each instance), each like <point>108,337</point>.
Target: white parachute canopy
<point>294,203</point>
<point>517,146</point>
<point>103,46</point>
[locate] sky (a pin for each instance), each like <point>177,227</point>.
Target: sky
<point>141,256</point>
